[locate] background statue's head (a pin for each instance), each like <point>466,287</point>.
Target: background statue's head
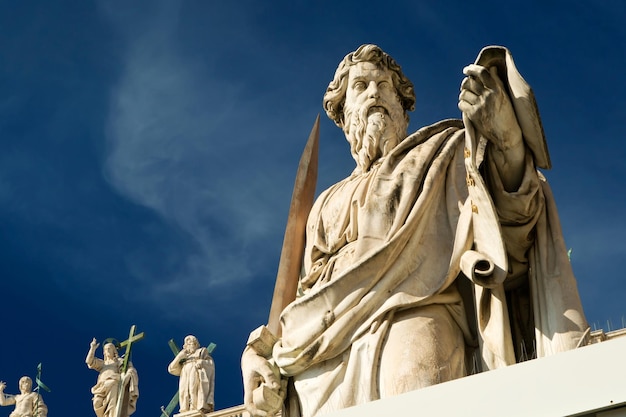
<point>25,384</point>
<point>335,96</point>
<point>110,351</point>
<point>191,343</point>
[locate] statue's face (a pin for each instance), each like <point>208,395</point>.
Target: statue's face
<point>371,86</point>
<point>25,385</point>
<point>109,351</point>
<point>191,344</point>
<point>374,120</point>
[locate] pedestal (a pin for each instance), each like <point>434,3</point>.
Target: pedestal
<point>191,413</point>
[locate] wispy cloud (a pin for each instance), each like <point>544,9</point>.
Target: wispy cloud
<point>169,149</point>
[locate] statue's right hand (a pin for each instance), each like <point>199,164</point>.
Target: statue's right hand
<point>257,371</point>
<point>3,385</point>
<point>94,344</point>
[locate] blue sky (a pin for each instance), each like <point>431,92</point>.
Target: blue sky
<point>149,150</point>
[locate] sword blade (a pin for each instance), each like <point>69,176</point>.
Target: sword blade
<point>294,240</point>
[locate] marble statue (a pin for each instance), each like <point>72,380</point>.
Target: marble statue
<point>194,365</point>
<point>111,377</point>
<point>439,256</point>
<point>27,403</point>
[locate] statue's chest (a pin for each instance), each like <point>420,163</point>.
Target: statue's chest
<point>342,210</point>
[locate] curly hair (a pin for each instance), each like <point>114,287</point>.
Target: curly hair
<point>335,95</point>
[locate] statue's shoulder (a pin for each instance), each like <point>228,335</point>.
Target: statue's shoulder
<point>446,126</point>
<point>440,126</point>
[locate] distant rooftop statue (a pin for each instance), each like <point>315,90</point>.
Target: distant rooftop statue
<point>27,403</point>
<point>112,380</point>
<point>194,365</point>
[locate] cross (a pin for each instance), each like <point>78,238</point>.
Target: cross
<point>167,411</point>
<point>122,394</point>
<point>38,381</point>
<point>40,385</point>
<point>132,337</point>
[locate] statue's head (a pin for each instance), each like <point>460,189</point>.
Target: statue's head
<point>369,99</point>
<point>110,351</point>
<point>25,384</point>
<point>191,343</point>
<point>335,96</point>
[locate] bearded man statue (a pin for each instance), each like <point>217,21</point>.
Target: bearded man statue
<point>440,255</point>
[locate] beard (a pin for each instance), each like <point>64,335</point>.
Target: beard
<point>373,132</point>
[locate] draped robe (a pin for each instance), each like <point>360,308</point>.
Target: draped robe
<point>403,235</point>
<point>197,380</point>
<point>430,224</point>
<point>106,391</point>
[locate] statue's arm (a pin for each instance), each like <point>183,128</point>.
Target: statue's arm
<point>175,367</point>
<point>130,365</point>
<point>204,353</point>
<point>42,408</point>
<point>91,360</point>
<point>261,373</point>
<point>486,103</point>
<point>5,399</point>
<point>509,169</point>
<point>518,211</point>
<point>206,361</point>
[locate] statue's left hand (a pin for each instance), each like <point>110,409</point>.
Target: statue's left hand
<point>486,103</point>
<point>258,371</point>
<point>484,100</point>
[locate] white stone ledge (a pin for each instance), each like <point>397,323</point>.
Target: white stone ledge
<point>589,381</point>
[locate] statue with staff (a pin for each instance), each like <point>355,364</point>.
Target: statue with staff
<point>117,388</point>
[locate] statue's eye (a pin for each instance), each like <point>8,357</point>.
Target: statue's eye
<point>384,85</point>
<point>359,86</point>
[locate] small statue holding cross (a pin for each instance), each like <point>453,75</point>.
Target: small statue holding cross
<point>196,369</point>
<point>116,391</point>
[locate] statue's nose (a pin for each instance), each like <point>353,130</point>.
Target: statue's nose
<point>373,90</point>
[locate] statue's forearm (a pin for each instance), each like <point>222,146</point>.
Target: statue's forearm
<point>510,161</point>
<point>6,399</point>
<point>91,358</point>
<point>175,366</point>
<point>518,211</point>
